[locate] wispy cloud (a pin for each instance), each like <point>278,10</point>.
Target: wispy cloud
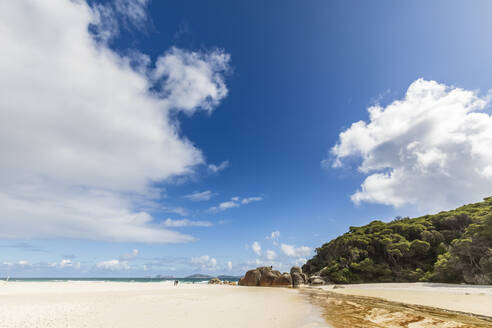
<point>217,168</point>
<point>200,196</point>
<point>274,237</point>
<point>24,247</point>
<point>234,202</point>
<point>256,247</point>
<point>250,200</point>
<point>169,223</point>
<point>270,255</point>
<point>129,256</point>
<point>113,265</point>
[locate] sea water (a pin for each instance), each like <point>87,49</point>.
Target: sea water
<point>170,280</point>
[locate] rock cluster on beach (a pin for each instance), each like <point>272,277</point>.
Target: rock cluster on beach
<point>217,281</point>
<point>267,277</point>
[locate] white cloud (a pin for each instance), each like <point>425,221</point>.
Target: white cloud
<point>185,223</point>
<point>113,265</point>
<point>65,263</point>
<point>178,210</point>
<point>133,11</point>
<point>217,168</point>
<point>191,80</point>
<point>274,237</point>
<point>431,149</point>
<point>200,196</point>
<point>226,205</point>
<point>234,202</point>
<point>229,265</point>
<point>110,16</point>
<point>256,247</point>
<point>270,255</point>
<point>82,133</point>
<point>23,263</point>
<point>301,261</point>
<point>204,262</point>
<point>250,200</point>
<point>292,251</point>
<point>278,265</point>
<point>130,256</point>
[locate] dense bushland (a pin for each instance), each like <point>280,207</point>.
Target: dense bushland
<point>453,246</point>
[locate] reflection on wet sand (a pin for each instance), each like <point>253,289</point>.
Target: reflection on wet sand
<point>342,311</point>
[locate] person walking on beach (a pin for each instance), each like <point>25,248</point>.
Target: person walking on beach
<point>176,282</point>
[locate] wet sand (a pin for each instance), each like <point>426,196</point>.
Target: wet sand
<point>347,310</point>
<point>463,298</point>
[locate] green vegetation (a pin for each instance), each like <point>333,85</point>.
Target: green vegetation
<point>453,247</point>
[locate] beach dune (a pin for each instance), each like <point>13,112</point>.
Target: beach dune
<point>121,305</point>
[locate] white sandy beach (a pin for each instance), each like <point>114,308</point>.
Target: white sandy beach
<point>148,305</point>
<point>463,298</point>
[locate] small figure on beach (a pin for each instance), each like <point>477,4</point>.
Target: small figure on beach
<point>176,282</point>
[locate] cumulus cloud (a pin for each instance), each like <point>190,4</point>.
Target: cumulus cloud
<point>200,196</point>
<point>191,80</point>
<point>229,265</point>
<point>430,149</point>
<point>113,265</point>
<point>256,247</point>
<point>279,265</point>
<point>185,223</point>
<point>83,133</point>
<point>292,251</point>
<point>234,202</point>
<point>204,262</point>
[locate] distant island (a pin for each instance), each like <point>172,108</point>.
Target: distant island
<point>452,247</point>
<point>226,277</point>
<point>198,276</point>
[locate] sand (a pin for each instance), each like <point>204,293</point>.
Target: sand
<point>149,305</point>
<point>463,298</point>
<point>128,304</point>
<point>354,311</point>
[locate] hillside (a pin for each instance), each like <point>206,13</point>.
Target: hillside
<point>453,246</point>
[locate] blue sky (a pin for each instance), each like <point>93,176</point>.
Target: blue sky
<point>132,106</point>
